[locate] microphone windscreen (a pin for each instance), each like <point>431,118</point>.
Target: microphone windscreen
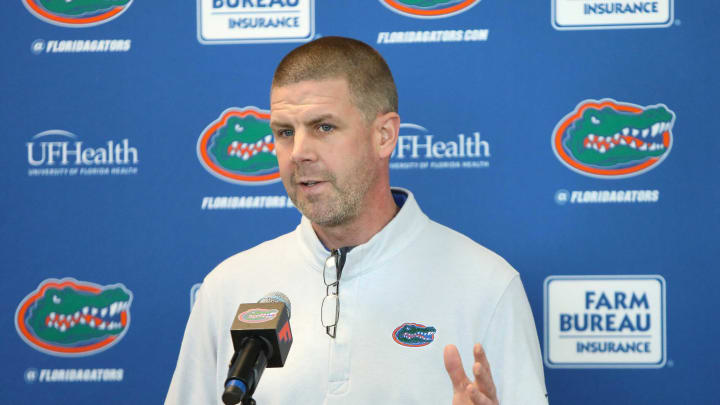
<point>277,296</point>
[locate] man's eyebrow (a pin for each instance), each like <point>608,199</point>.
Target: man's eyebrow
<point>319,119</point>
<point>310,122</point>
<point>279,124</point>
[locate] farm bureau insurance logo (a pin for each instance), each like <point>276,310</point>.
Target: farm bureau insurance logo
<point>238,147</point>
<point>71,318</point>
<point>429,8</point>
<point>610,139</point>
<point>255,21</point>
<point>77,13</point>
<point>60,153</point>
<point>418,149</point>
<point>605,321</point>
<point>611,14</point>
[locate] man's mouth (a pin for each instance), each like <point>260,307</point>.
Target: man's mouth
<point>310,183</point>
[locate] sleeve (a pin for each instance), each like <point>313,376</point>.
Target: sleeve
<point>194,380</point>
<point>513,351</point>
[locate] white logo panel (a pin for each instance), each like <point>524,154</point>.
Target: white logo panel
<point>605,321</point>
<point>611,14</point>
<point>255,21</point>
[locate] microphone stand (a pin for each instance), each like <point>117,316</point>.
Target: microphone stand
<point>246,367</point>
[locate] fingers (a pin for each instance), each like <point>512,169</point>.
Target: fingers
<point>482,391</point>
<point>481,371</point>
<point>477,397</point>
<point>454,367</point>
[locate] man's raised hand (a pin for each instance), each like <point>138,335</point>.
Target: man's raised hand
<point>481,391</point>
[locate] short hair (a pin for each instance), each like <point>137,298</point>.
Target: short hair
<point>370,82</point>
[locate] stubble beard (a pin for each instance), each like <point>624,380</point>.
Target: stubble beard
<point>342,204</point>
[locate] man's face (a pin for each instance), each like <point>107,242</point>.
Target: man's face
<point>324,149</point>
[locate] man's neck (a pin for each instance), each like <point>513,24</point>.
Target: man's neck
<point>362,228</point>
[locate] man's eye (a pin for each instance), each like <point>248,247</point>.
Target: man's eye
<point>284,133</point>
<point>325,127</point>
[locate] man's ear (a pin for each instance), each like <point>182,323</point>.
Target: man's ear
<point>387,127</point>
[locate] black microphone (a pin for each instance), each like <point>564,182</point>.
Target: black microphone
<point>262,338</point>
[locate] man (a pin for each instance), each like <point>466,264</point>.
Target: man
<point>396,292</point>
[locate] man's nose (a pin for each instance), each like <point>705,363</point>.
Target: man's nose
<point>304,148</point>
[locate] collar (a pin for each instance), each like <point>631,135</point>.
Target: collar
<point>391,240</point>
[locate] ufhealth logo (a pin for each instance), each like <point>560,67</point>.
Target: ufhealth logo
<point>429,8</point>
<point>71,318</point>
<point>605,321</point>
<point>57,152</point>
<point>255,21</point>
<point>610,139</point>
<point>77,13</point>
<point>238,147</point>
<point>611,14</point>
<point>417,148</point>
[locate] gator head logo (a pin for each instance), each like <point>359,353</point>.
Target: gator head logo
<point>414,334</point>
<point>258,315</point>
<point>429,8</point>
<point>238,147</point>
<point>77,13</point>
<point>610,139</point>
<point>71,318</point>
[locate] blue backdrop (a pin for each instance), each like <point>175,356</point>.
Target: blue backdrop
<point>119,193</point>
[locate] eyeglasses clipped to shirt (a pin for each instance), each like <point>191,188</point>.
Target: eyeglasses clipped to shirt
<point>332,270</point>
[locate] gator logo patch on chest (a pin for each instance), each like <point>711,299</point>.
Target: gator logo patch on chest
<point>611,139</point>
<point>414,334</point>
<point>71,318</point>
<point>77,13</point>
